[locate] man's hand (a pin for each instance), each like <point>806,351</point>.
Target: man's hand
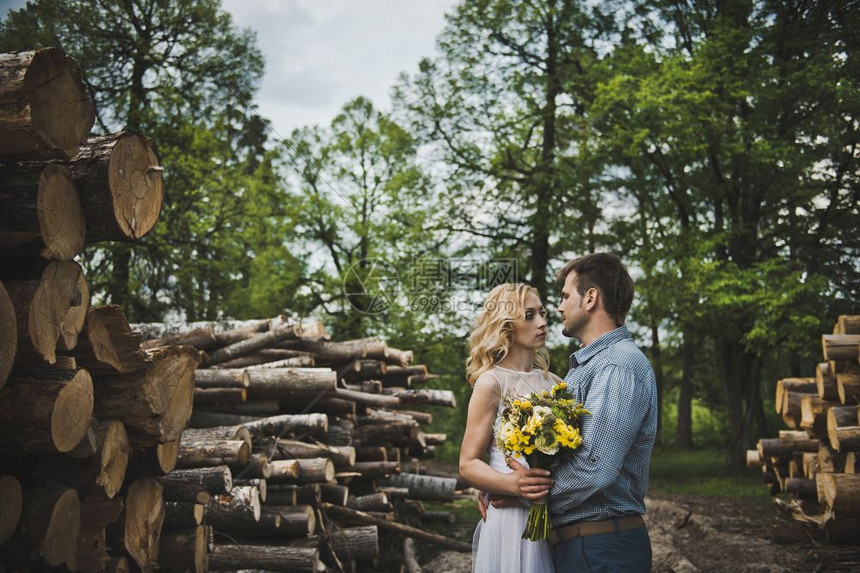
<point>532,484</point>
<point>485,500</point>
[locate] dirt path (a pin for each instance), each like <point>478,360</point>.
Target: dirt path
<point>706,534</point>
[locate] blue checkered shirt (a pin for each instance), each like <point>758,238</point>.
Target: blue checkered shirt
<point>608,475</point>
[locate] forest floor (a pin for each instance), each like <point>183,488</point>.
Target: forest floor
<point>703,533</point>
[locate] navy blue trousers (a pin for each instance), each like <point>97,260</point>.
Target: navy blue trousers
<point>625,552</point>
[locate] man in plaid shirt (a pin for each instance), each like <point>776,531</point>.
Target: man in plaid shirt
<point>598,496</point>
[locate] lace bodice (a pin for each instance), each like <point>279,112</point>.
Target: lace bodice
<point>520,384</point>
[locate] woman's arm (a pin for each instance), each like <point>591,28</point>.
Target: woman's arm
<point>483,407</point>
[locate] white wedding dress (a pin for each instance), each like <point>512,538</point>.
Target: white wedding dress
<point>498,546</point>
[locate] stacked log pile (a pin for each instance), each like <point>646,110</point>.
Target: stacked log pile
<point>79,397</point>
<point>814,462</point>
<point>299,445</point>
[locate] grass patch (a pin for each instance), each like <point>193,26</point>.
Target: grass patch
<point>703,472</point>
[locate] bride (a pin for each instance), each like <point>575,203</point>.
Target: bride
<point>507,354</point>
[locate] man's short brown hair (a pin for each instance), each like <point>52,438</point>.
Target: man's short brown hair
<point>608,275</point>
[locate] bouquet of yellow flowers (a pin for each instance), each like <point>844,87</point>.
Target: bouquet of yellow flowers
<point>543,428</point>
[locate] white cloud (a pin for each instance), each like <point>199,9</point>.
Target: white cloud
<point>320,54</point>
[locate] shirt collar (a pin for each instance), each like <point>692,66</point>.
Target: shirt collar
<point>587,352</point>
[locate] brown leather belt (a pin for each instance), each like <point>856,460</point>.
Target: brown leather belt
<point>583,528</point>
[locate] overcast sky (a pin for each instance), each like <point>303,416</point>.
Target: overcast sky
<point>321,53</point>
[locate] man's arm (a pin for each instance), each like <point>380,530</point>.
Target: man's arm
<point>618,407</point>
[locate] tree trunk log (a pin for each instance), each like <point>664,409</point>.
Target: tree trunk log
<point>847,324</point>
<point>842,494</point>
<point>214,396</point>
<point>315,470</point>
<point>221,378</point>
<point>119,180</point>
<point>427,397</point>
<point>346,352</point>
<point>315,424</point>
<point>422,487</point>
<point>11,502</point>
<point>241,506</point>
<point>409,559</point>
<point>392,434</point>
<point>155,403</point>
<point>102,474</point>
<point>216,480</point>
<point>198,454</point>
<point>802,385</point>
<point>8,335</point>
<point>279,382</point>
<point>50,311</point>
<point>848,387</point>
<point>324,405</point>
<point>41,215</point>
<point>379,401</point>
<point>202,338</point>
<point>51,522</point>
<point>342,456</point>
<point>373,502</point>
<point>245,347</point>
<point>267,358</point>
<point>376,469</point>
<point>218,433</point>
<point>399,529</point>
<point>184,549</point>
<point>45,410</point>
<point>144,516</point>
<point>306,361</point>
<point>814,415</point>
<point>46,112</point>
<point>842,428</point>
<point>840,346</point>
<point>262,557</point>
<point>825,382</point>
<point>108,344</point>
<point>179,514</point>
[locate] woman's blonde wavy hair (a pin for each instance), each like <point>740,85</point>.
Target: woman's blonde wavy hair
<point>492,335</point>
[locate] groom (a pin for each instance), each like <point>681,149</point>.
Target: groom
<point>597,501</point>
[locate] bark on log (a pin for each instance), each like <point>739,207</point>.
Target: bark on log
<point>242,505</point>
<point>372,502</point>
<point>423,487</point>
<point>294,362</point>
<point>41,214</point>
<point>119,181</point>
<point>848,387</point>
<point>45,410</point>
<point>215,480</point>
<point>847,324</point>
<point>248,410</point>
<point>376,469</point>
<point>842,494</point>
<point>257,467</point>
<point>144,516</point>
<point>214,396</point>
<point>222,378</point>
<point>263,557</point>
<point>153,461</point>
<point>266,357</point>
<point>102,474</point>
<point>49,311</point>
<point>802,385</point>
<point>155,403</point>
<point>153,330</point>
<point>284,470</point>
<point>198,454</point>
<point>355,543</point>
<point>399,529</point>
<point>108,344</point>
<point>245,347</point>
<point>346,352</point>
<point>45,112</point>
<point>840,346</point>
<point>787,443</point>
<point>218,433</point>
<point>792,407</point>
<point>342,456</point>
<point>427,397</point>
<point>409,559</point>
<point>829,460</point>
<point>202,338</point>
<point>8,335</point>
<point>842,429</point>
<point>315,470</point>
<point>392,434</point>
<point>260,483</point>
<point>11,503</point>
<point>334,493</point>
<point>379,401</point>
<point>325,405</point>
<point>51,523</point>
<point>184,549</point>
<point>825,382</point>
<point>315,424</point>
<point>339,433</point>
<point>279,382</point>
<point>98,515</point>
<point>269,525</point>
<point>814,415</point>
<point>182,514</point>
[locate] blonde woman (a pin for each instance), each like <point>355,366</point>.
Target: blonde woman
<point>507,354</point>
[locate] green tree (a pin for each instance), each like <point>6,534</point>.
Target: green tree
<point>183,74</point>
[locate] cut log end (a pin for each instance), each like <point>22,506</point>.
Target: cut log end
<point>72,410</point>
<point>11,500</point>
<point>135,181</point>
<point>61,216</point>
<point>8,335</point>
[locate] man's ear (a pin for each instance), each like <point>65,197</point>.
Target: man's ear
<point>591,299</point>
